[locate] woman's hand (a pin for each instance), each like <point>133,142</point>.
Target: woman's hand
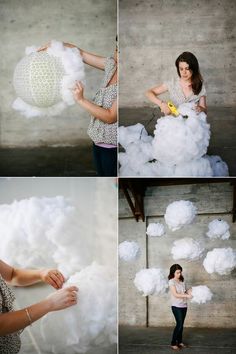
<point>63,298</point>
<point>78,91</point>
<point>44,47</point>
<point>52,277</point>
<point>165,109</point>
<point>199,108</point>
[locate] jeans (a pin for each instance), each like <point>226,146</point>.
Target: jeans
<point>179,314</point>
<point>105,160</point>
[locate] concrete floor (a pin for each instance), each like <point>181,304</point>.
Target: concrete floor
<point>47,162</point>
<point>221,119</point>
<point>138,340</point>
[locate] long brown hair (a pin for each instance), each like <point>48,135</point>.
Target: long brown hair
<point>192,61</point>
<point>173,268</point>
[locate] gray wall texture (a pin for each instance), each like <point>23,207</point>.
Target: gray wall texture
<point>154,33</point>
<point>212,201</point>
<point>89,24</point>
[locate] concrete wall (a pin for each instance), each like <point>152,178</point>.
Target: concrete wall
<point>154,33</point>
<point>89,24</point>
<point>212,201</point>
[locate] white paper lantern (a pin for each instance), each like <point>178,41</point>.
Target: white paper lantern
<point>43,80</point>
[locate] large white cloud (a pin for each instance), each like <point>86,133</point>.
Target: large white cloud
<point>179,140</point>
<point>201,294</point>
<point>155,229</point>
<point>92,323</point>
<point>180,213</point>
<point>220,260</point>
<point>129,251</point>
<point>151,281</point>
<point>218,228</point>
<point>178,148</point>
<point>187,248</point>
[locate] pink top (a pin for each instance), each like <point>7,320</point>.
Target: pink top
<point>180,289</point>
<point>107,146</point>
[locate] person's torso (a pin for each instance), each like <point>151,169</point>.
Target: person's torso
<point>180,289</point>
<point>10,343</point>
<point>99,131</point>
<point>179,95</point>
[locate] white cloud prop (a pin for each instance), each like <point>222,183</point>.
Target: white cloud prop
<point>43,80</point>
<point>220,260</point>
<point>218,166</point>
<point>178,148</point>
<point>180,213</point>
<point>43,232</point>
<point>92,323</point>
<point>218,228</point>
<point>129,251</point>
<point>179,140</point>
<point>201,294</point>
<point>187,248</point>
<point>151,281</point>
<point>139,152</point>
<point>155,229</point>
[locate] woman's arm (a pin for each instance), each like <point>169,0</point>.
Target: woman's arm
<point>25,277</point>
<point>94,60</point>
<point>202,106</point>
<point>179,296</point>
<point>152,94</point>
<point>107,115</point>
<point>11,322</point>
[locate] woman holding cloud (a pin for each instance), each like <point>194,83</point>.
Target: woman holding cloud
<point>13,322</point>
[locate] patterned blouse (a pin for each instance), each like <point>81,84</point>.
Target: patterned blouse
<point>99,131</point>
<point>177,95</point>
<point>10,343</point>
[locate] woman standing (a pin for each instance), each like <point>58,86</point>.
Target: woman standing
<point>188,87</point>
<point>103,111</point>
<point>179,297</point>
<point>13,322</point>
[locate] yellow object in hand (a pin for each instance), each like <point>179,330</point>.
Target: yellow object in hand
<point>173,109</point>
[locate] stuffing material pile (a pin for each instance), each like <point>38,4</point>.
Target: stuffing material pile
<point>187,248</point>
<point>90,324</point>
<point>218,228</point>
<point>129,251</point>
<point>155,230</point>
<point>43,80</point>
<point>201,294</point>
<point>151,281</point>
<point>220,260</point>
<point>177,149</point>
<point>180,213</point>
